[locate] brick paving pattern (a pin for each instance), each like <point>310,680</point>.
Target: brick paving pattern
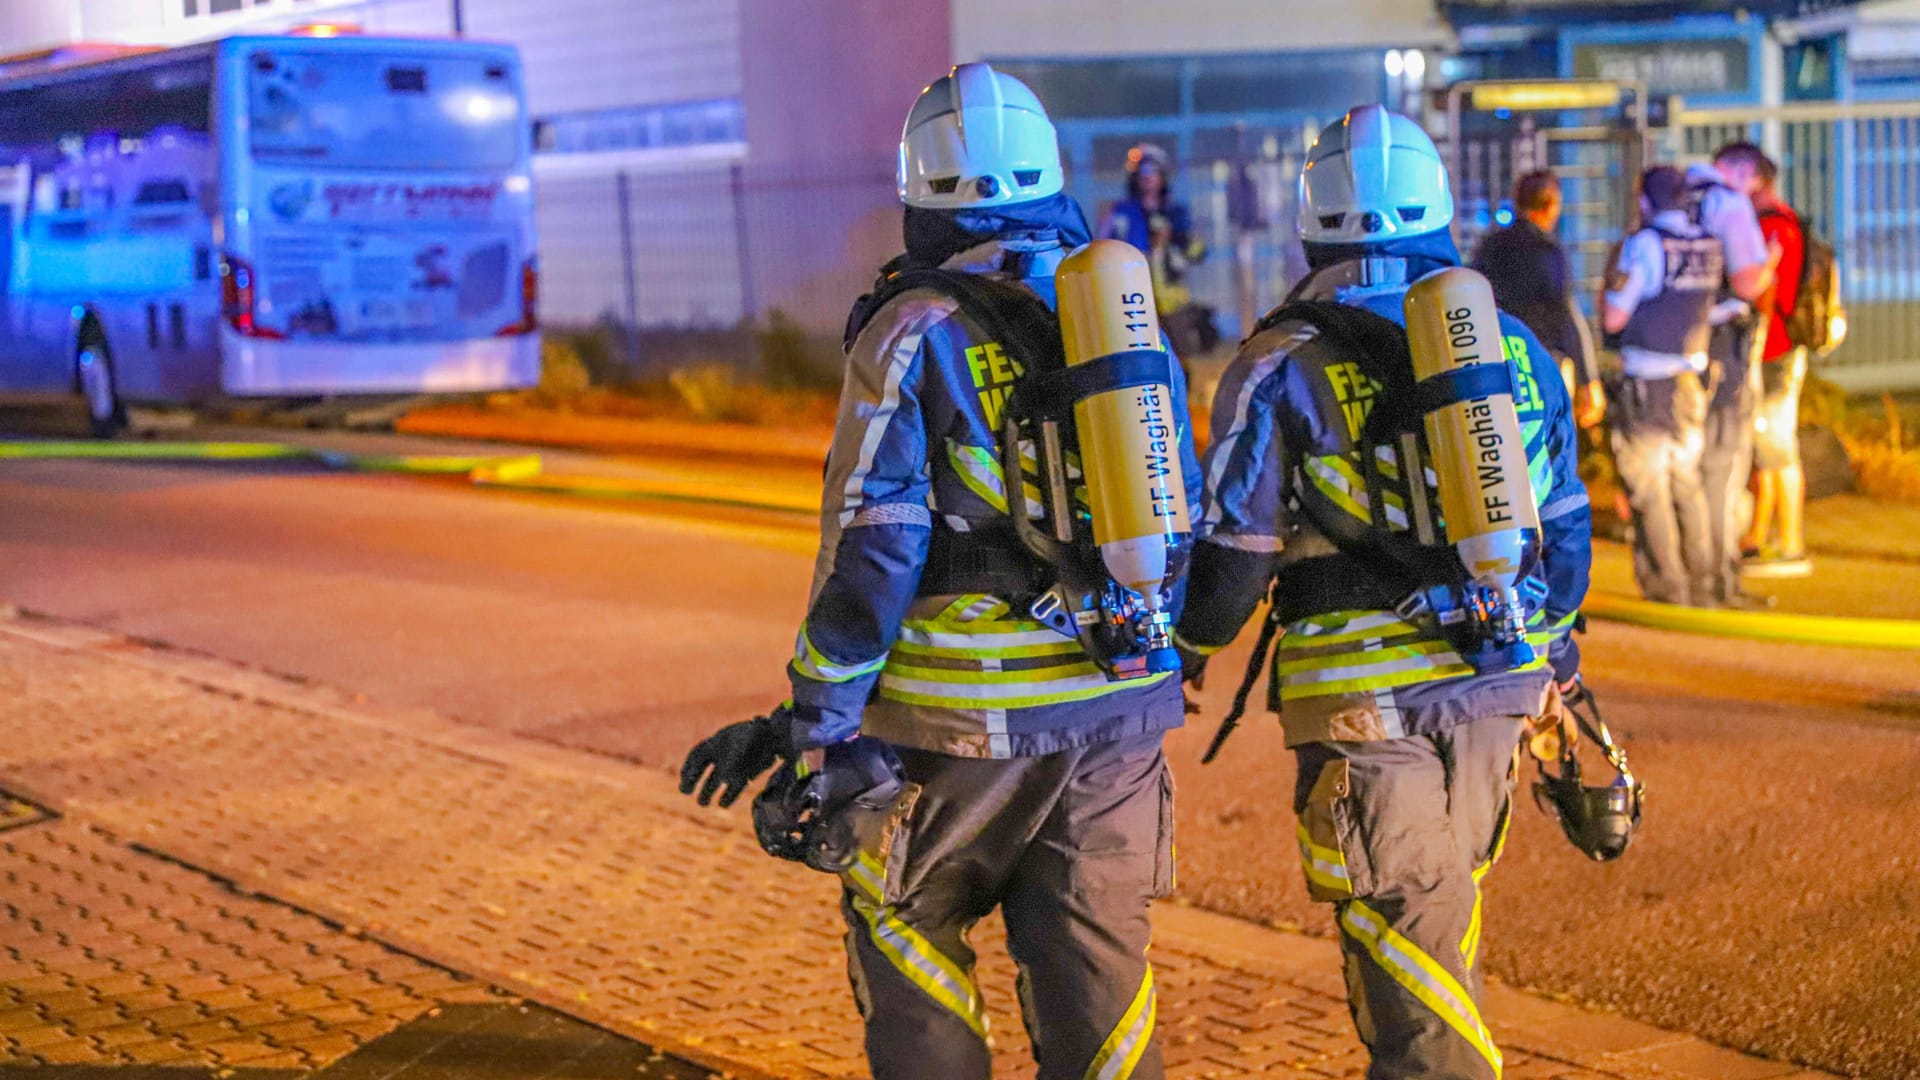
<point>111,957</point>
<point>591,885</point>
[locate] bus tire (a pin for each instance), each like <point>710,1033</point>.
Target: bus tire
<point>93,374</point>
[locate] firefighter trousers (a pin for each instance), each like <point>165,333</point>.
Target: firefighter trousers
<point>1398,835</point>
<point>1071,846</point>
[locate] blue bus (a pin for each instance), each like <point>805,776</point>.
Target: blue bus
<point>266,217</point>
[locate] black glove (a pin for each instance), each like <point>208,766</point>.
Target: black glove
<point>737,754</point>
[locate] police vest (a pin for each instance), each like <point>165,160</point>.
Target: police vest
<point>1674,321</point>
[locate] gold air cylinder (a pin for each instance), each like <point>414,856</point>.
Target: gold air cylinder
<point>1479,457</point>
<point>1129,438</point>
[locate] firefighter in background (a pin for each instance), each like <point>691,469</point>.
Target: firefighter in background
<point>1404,738</point>
<point>1151,219</point>
<point>1033,782</point>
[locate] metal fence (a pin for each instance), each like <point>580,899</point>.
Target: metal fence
<point>1852,172</point>
<point>724,247</point>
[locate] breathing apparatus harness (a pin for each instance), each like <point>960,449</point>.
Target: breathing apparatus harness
<point>1045,561</point>
<point>1414,574</point>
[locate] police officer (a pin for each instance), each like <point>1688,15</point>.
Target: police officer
<point>1721,204</point>
<point>1035,783</point>
<point>1660,299</point>
<point>1405,752</point>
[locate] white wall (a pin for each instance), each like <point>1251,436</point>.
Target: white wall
<point>26,25</point>
<point>592,54</point>
<point>30,24</point>
<point>1102,28</point>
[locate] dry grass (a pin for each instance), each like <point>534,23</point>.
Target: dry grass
<point>706,392</point>
<point>1886,464</point>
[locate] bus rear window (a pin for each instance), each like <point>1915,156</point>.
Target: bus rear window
<point>353,110</point>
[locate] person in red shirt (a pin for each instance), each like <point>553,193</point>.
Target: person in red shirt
<point>1779,484</point>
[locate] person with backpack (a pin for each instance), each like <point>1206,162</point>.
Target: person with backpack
<point>1403,730</point>
<point>946,751</point>
<point>1721,204</point>
<point>1779,484</point>
<point>1660,296</point>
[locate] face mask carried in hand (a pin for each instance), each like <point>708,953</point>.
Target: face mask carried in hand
<point>816,808</point>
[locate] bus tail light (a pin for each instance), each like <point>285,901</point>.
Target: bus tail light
<point>529,320</point>
<point>236,297</point>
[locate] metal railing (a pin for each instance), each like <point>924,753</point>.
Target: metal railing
<point>1852,173</point>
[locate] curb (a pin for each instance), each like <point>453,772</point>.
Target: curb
<point>1559,1032</point>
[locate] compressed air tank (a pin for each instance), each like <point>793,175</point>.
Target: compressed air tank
<point>1479,457</point>
<point>1129,438</point>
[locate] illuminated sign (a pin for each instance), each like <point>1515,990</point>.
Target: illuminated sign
<point>1533,96</point>
<point>1704,66</point>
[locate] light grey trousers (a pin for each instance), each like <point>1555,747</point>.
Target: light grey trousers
<point>1071,846</point>
<point>1398,835</point>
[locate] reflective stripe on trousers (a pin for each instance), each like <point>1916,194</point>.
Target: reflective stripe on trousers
<point>1398,834</point>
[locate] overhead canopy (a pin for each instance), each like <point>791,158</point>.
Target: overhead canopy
<point>1066,29</point>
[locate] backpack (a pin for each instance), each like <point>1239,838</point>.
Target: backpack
<point>1818,321</point>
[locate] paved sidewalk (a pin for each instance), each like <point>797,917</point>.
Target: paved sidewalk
<point>591,886</point>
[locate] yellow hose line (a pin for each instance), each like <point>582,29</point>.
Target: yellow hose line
<point>515,472</point>
<point>522,472</point>
<point>1759,626</point>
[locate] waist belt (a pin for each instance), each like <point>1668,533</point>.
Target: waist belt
<point>1325,584</point>
<point>991,561</point>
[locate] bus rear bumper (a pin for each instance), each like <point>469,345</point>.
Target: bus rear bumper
<point>256,367</point>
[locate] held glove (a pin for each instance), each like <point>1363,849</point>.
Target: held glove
<point>736,755</point>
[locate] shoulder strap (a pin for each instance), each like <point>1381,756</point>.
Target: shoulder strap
<point>1020,321</point>
<point>1379,346</point>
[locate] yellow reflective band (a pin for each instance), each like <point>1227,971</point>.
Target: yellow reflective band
<point>1333,487</point>
<point>1470,943</point>
<point>935,695</point>
<point>1058,647</point>
<point>979,469</point>
<point>1358,659</point>
<point>1129,1039</point>
<point>1336,476</point>
<point>912,954</point>
<point>1323,866</point>
<point>810,663</point>
<point>1417,972</point>
<point>1338,626</point>
<point>1404,673</point>
<point>1042,676</point>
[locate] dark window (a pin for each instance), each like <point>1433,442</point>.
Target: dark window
<point>220,7</point>
<point>190,7</point>
<point>1288,82</point>
<point>681,124</point>
<point>155,192</point>
<point>1103,87</point>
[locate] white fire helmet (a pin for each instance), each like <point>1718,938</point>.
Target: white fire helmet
<point>978,138</point>
<point>1372,178</point>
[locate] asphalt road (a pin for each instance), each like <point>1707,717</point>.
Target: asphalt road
<point>1771,903</point>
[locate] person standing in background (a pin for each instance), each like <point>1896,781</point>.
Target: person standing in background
<point>1533,281</point>
<point>1151,219</point>
<point>1780,486</point>
<point>1721,204</point>
<point>1659,298</point>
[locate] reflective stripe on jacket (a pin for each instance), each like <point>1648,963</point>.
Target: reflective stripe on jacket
<point>915,449</point>
<point>1288,415</point>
